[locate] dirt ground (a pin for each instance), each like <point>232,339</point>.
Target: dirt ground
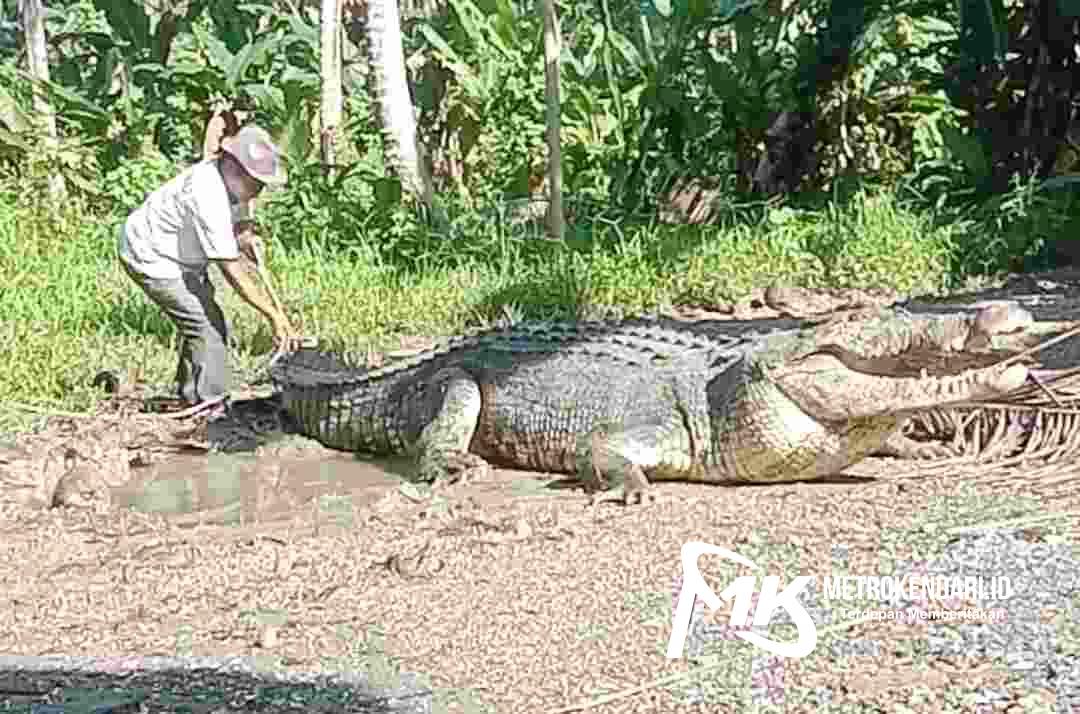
<point>511,593</point>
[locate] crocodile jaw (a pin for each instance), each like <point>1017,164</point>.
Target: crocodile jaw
<point>767,437</point>
<point>826,388</point>
<point>816,417</point>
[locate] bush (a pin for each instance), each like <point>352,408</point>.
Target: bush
<point>127,185</point>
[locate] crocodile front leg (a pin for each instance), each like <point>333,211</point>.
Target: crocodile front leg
<point>442,451</point>
<point>613,460</point>
<point>609,463</point>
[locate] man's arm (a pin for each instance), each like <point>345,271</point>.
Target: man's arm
<point>240,274</point>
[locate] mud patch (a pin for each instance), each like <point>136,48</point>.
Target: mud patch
<point>268,485</point>
<point>283,483</point>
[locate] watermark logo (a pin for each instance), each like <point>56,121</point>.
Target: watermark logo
<point>742,591</point>
<point>917,587</point>
<point>882,588</point>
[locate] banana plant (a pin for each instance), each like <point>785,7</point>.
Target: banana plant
<point>665,80</point>
<point>473,48</point>
<point>133,74</point>
<point>272,73</point>
<point>20,134</point>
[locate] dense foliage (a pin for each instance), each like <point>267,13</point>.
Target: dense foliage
<point>934,99</point>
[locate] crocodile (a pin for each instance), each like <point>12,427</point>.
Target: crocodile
<point>620,403</point>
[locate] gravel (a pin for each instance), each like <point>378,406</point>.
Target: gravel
<point>1044,577</point>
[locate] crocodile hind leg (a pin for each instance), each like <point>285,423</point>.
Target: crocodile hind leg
<point>612,460</point>
<point>443,446</point>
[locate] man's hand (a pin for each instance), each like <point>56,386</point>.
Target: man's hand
<point>286,338</point>
<point>249,241</point>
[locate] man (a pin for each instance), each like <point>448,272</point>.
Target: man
<point>197,218</point>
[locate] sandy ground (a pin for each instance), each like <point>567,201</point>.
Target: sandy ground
<point>512,589</point>
<point>513,593</point>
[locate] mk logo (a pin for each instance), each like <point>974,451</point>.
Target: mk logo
<point>742,590</point>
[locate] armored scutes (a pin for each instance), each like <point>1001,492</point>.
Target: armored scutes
<point>621,402</point>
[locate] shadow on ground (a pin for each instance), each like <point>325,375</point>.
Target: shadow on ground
<point>119,685</point>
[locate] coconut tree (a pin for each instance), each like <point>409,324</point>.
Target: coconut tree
<point>389,87</point>
<point>32,17</point>
<point>330,54</point>
<point>556,221</point>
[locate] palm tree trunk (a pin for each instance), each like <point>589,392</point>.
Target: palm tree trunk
<point>391,91</point>
<point>556,222</point>
<point>33,21</point>
<point>330,51</point>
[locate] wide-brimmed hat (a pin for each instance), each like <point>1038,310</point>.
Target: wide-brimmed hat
<point>256,152</point>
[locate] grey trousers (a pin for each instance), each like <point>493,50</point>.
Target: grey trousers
<point>203,371</point>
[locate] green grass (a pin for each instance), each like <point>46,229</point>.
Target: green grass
<point>69,311</point>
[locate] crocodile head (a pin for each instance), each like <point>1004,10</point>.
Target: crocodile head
<point>812,403</point>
